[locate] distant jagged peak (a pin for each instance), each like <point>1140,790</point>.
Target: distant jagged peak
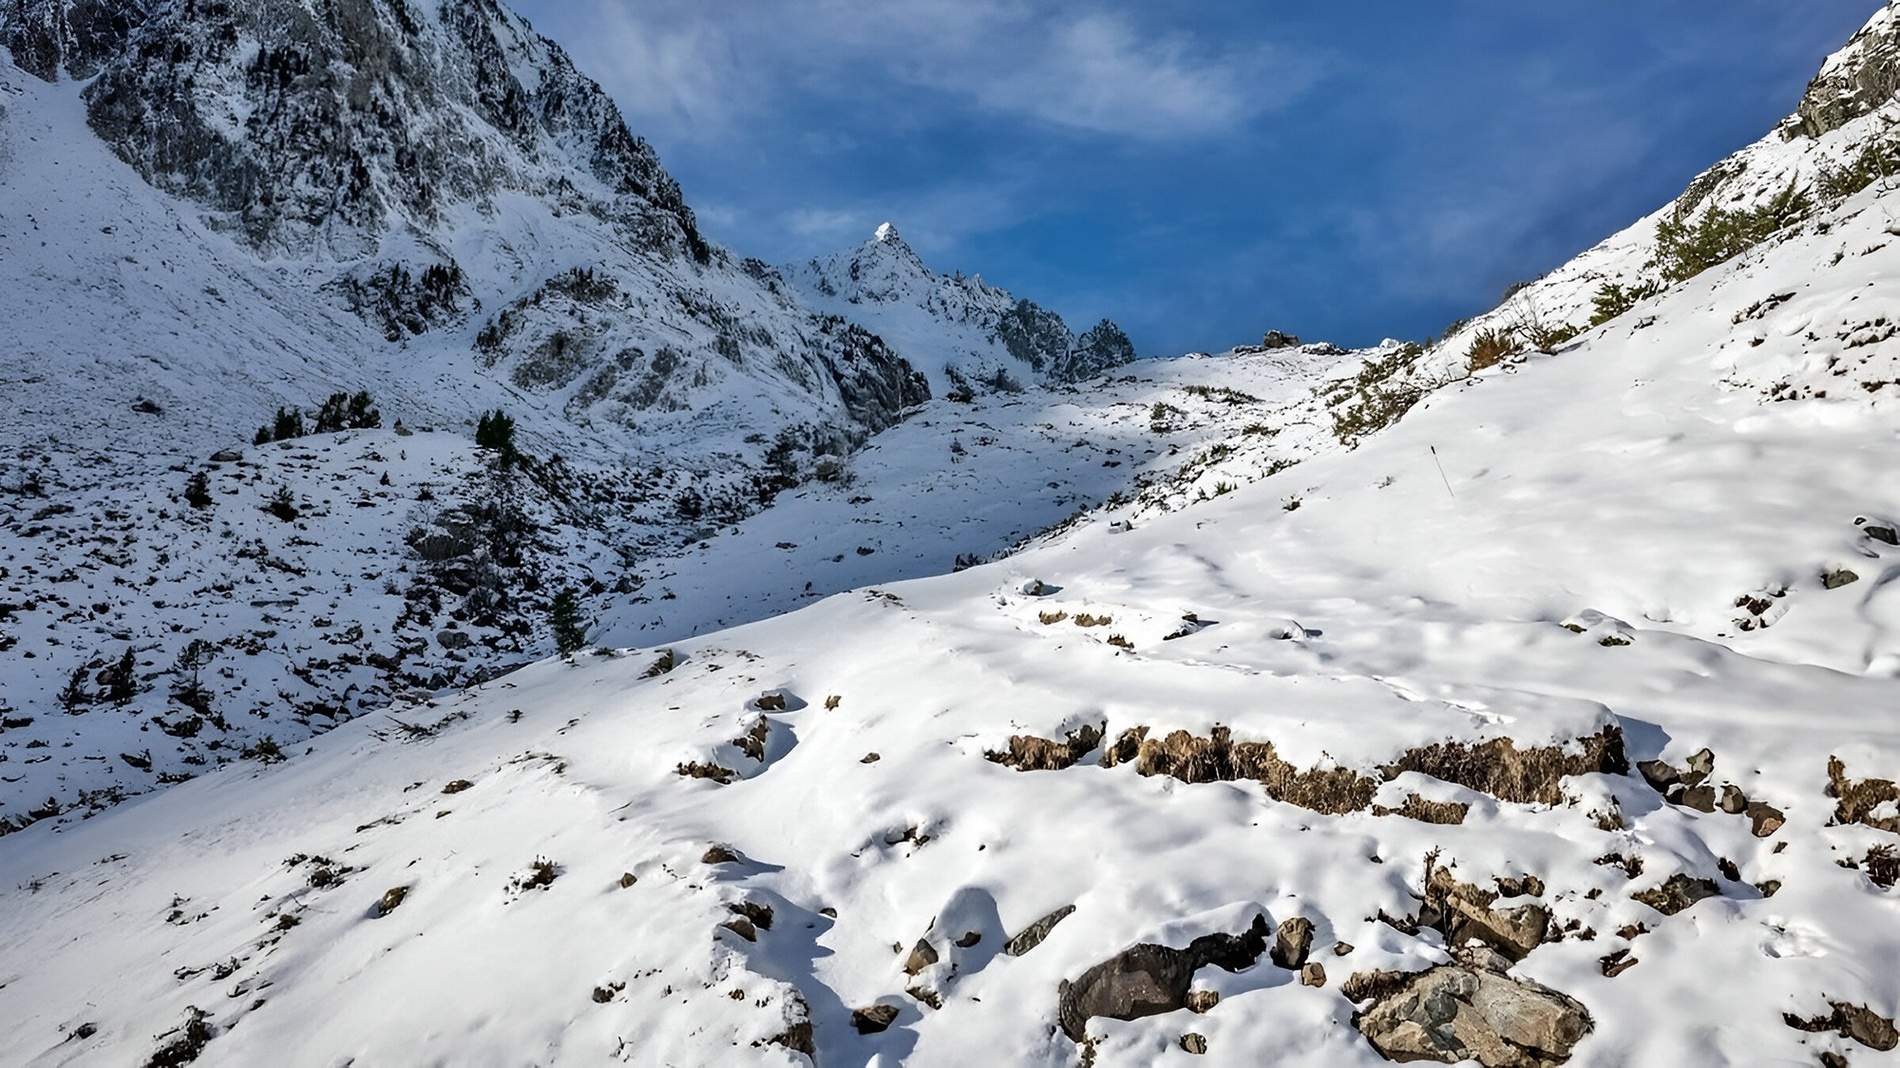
<point>887,235</point>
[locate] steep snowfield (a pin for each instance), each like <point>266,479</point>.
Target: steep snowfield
<point>1636,533</point>
<point>156,323</point>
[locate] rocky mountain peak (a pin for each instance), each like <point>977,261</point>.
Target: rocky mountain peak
<point>1856,81</point>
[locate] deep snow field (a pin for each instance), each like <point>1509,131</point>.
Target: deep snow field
<point>1142,721</point>
<point>1576,566</point>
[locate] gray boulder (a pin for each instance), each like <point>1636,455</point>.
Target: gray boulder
<point>1452,1014</point>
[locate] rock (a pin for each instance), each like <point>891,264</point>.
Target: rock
<point>453,639</point>
<point>1029,753</point>
<point>1834,580</point>
<point>926,996</point>
<point>1275,339</point>
<point>1314,974</point>
<point>1451,1014</point>
<point>1701,766</point>
<point>1292,942</point>
<point>1528,886</point>
<point>1857,1022</point>
<point>1734,801</point>
<point>1879,533</point>
<point>226,456</point>
<point>742,927</point>
<point>874,1019</point>
<point>1193,1043</point>
<point>1680,892</point>
<point>1766,819</point>
<point>1617,963</point>
<point>1031,937</point>
<point>1659,774</point>
<point>719,854</point>
<point>922,956</point>
<point>1340,949</point>
<point>1148,979</point>
<point>1831,1059</point>
<point>770,702</point>
<point>1729,869</point>
<point>391,900</point>
<point>798,1039</point>
<point>1700,798</point>
<point>970,938</point>
<point>1202,1001</point>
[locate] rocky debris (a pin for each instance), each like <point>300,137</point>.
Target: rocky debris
<point>1883,533</point>
<point>922,955</point>
<point>742,927</point>
<point>1292,943</point>
<point>1525,886</point>
<point>1678,893</point>
<point>1029,753</point>
<point>719,854</point>
<point>1313,974</point>
<point>1202,1002</point>
<point>1857,1022</point>
<point>874,1019</point>
<point>798,1036</point>
<point>1856,800</point>
<point>226,456</point>
<point>1149,979</point>
<point>1218,758</point>
<point>925,996</point>
<point>1691,788</point>
<point>1275,339</point>
<point>391,900</point>
<point>1455,1013</point>
<point>770,702</point>
<point>1194,1043</point>
<point>1765,819</point>
<point>1837,578</point>
<point>1032,936</point>
<point>1615,964</point>
<point>698,770</point>
<point>758,915</point>
<point>1463,914</point>
<point>1444,813</point>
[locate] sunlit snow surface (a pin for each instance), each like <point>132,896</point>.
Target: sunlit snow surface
<point>1636,485</point>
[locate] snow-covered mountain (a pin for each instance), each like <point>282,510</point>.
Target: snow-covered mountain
<point>1517,702</point>
<point>214,213</point>
<point>969,337</point>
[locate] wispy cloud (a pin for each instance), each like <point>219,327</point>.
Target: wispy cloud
<point>713,66</point>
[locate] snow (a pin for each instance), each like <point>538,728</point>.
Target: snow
<point>1636,531</point>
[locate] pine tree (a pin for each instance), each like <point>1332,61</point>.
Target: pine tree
<point>288,424</point>
<point>570,630</point>
<point>495,431</point>
<point>198,490</point>
<point>74,697</point>
<point>189,667</point>
<point>363,414</point>
<point>333,414</point>
<point>122,680</point>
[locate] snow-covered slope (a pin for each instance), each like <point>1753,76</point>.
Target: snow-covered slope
<point>1325,768</point>
<point>969,337</point>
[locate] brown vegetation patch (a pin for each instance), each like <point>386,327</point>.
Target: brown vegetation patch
<point>1856,799</point>
<point>1029,753</point>
<point>1527,776</point>
<point>1444,813</point>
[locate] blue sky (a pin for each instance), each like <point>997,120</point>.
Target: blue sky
<point>1201,170</point>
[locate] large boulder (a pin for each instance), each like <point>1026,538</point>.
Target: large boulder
<point>1149,979</point>
<point>1454,1013</point>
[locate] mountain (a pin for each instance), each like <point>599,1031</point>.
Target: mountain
<point>1514,701</point>
<point>967,336</point>
<point>216,217</point>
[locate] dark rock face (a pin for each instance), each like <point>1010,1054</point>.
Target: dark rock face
<point>1292,942</point>
<point>358,113</point>
<point>1033,935</point>
<point>877,384</point>
<point>48,37</point>
<point>1451,1014</point>
<point>1867,76</point>
<point>1148,979</point>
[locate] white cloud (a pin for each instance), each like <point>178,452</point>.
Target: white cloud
<point>709,67</point>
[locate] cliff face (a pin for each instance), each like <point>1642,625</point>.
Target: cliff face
<point>1858,80</point>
